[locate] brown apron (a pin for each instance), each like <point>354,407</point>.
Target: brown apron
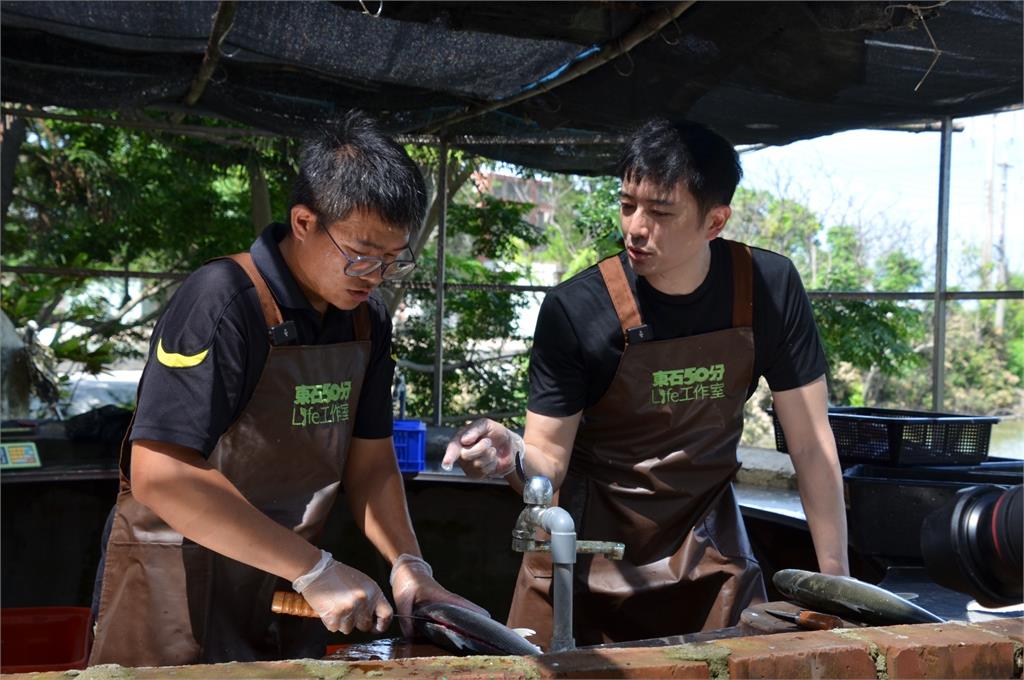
<point>167,601</point>
<point>652,467</point>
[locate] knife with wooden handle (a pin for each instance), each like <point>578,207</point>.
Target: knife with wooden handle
<point>808,619</point>
<point>292,604</point>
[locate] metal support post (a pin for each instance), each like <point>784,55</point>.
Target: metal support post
<point>941,254</point>
<point>442,197</point>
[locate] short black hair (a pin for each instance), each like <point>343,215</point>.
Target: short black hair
<point>354,165</point>
<point>664,153</point>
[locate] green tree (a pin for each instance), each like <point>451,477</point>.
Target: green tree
<point>585,226</point>
<point>87,196</point>
<point>484,357</point>
<point>876,337</point>
<point>777,224</point>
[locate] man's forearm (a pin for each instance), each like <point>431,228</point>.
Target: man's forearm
<point>803,412</point>
<point>201,504</point>
<point>376,497</point>
<point>821,491</point>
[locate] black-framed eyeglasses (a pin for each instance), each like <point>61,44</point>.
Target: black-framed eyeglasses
<point>364,265</point>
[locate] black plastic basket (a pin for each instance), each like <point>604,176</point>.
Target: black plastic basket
<point>889,436</point>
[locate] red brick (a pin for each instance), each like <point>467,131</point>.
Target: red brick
<point>1011,628</point>
<point>463,668</point>
<point>798,655</point>
<point>949,650</point>
<point>632,662</point>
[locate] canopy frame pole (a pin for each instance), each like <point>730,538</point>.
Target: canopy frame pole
<point>222,23</point>
<point>442,220</point>
<point>941,255</point>
<point>646,28</point>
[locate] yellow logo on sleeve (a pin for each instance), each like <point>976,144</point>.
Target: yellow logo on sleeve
<point>175,360</point>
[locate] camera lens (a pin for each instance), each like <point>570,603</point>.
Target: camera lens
<point>972,544</point>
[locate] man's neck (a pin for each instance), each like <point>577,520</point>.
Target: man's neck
<point>287,246</point>
<point>685,278</point>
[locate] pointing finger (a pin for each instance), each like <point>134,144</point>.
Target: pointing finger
<point>451,454</point>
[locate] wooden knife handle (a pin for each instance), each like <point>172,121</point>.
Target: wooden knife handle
<point>292,604</point>
<point>816,621</point>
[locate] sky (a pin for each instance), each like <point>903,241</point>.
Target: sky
<point>889,181</point>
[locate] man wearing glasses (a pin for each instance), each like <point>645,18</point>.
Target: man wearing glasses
<point>268,386</point>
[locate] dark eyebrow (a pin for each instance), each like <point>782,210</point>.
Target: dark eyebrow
<point>373,245</point>
<point>655,201</point>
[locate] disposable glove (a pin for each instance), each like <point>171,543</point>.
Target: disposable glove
<point>485,448</point>
<point>345,598</point>
<point>412,583</point>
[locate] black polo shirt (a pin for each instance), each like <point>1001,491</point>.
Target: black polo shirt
<point>216,310</point>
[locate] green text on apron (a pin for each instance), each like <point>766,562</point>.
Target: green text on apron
<point>167,601</point>
<point>652,467</point>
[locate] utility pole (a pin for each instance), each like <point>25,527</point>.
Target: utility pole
<point>990,209</point>
<point>1002,273</point>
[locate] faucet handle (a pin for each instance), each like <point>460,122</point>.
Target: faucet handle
<point>538,491</point>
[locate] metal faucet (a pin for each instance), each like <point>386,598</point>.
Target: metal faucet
<point>563,546</point>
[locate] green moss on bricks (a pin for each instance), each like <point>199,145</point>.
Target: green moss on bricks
<point>109,671</point>
<point>499,665</point>
<point>717,658</point>
<point>876,654</point>
<point>325,670</point>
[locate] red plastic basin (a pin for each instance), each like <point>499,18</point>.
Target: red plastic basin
<point>44,638</point>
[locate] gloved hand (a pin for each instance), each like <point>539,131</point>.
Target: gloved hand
<point>484,448</point>
<point>345,598</point>
<point>412,583</point>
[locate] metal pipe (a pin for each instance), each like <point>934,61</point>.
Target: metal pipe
<point>538,493</point>
<point>442,197</point>
<point>941,253</point>
<point>561,627</point>
<point>559,524</point>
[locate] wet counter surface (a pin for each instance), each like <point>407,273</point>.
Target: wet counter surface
<point>384,649</point>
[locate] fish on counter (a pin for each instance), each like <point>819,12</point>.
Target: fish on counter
<point>849,598</point>
<point>448,626</point>
<point>467,632</point>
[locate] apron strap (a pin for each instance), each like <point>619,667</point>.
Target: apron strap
<point>271,312</point>
<point>361,321</point>
<point>614,275</point>
<point>742,285</point>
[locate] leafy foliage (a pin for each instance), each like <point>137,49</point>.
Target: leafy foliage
<point>114,198</point>
<point>484,356</point>
<point>868,334</point>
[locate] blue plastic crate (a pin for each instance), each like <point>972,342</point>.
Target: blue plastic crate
<point>410,444</point>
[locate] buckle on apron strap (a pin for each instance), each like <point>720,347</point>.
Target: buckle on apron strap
<point>283,333</point>
<point>638,334</point>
